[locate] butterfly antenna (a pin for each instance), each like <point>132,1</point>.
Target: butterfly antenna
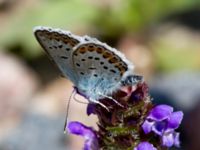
<point>68,104</point>
<point>109,97</point>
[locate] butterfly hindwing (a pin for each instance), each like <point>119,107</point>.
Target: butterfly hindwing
<point>99,67</point>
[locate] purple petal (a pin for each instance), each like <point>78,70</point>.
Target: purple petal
<point>91,145</point>
<point>177,139</point>
<point>90,109</point>
<point>168,140</point>
<point>140,93</point>
<point>175,119</point>
<point>159,127</point>
<point>160,112</point>
<point>91,141</point>
<point>147,126</point>
<point>145,146</point>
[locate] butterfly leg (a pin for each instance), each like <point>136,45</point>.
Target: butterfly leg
<point>109,97</point>
<point>101,104</point>
<point>77,100</point>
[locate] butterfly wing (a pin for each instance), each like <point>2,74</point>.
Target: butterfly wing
<point>58,44</point>
<point>99,68</point>
<point>94,67</point>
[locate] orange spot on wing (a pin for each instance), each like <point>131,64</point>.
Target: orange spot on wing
<point>82,50</point>
<point>113,60</point>
<point>122,68</point>
<point>99,50</point>
<point>91,48</point>
<point>107,55</point>
<point>60,37</point>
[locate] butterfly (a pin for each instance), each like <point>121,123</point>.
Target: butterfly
<point>96,69</point>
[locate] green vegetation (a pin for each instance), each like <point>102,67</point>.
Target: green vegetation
<point>108,20</point>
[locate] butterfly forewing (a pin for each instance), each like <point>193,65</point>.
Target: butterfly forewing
<point>98,67</point>
<point>59,46</point>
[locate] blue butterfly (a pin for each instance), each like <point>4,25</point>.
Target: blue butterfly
<point>96,69</point>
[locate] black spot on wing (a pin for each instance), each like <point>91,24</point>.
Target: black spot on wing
<point>105,67</point>
<point>67,49</point>
<point>113,71</point>
<point>81,73</point>
<point>60,46</point>
<point>90,57</point>
<point>95,75</point>
<point>64,57</point>
<point>77,64</point>
<point>92,68</point>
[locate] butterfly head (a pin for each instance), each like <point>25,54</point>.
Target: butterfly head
<point>131,80</point>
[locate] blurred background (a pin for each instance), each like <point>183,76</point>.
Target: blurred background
<point>162,39</point>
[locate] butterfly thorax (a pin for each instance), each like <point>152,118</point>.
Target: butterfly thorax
<point>96,90</point>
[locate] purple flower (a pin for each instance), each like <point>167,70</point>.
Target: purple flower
<point>91,141</point>
<point>145,146</point>
<point>120,127</point>
<point>140,93</point>
<point>91,109</point>
<point>163,121</point>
